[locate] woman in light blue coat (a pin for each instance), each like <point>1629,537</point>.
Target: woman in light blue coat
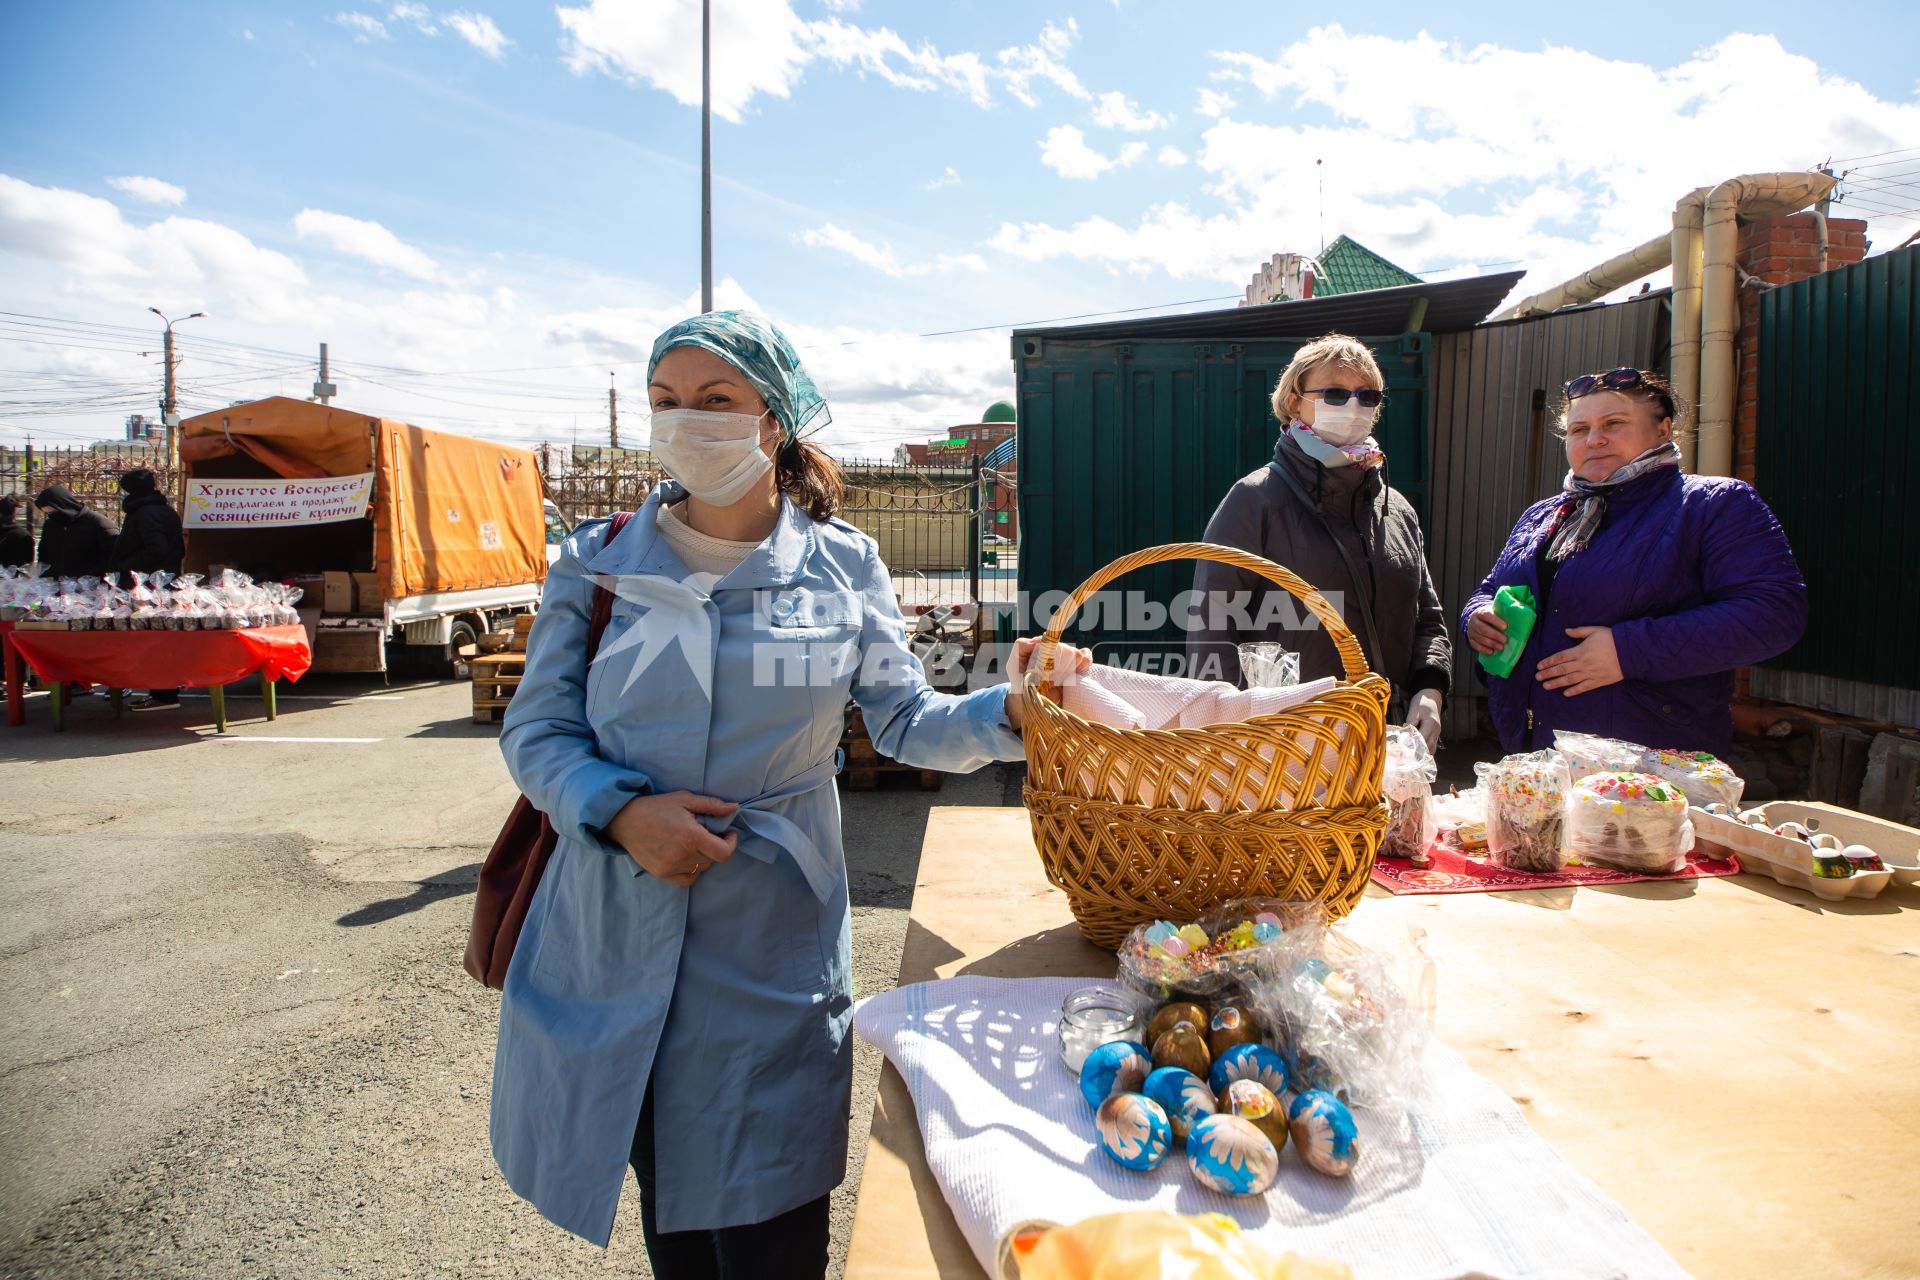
<point>680,998</point>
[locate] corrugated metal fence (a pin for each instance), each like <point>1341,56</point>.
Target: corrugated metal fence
<point>1838,457</point>
<point>1496,390</point>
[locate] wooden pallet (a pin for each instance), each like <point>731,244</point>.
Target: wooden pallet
<point>495,677</point>
<point>866,768</point>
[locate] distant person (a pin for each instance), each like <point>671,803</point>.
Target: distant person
<point>695,1025</point>
<point>16,544</point>
<point>150,542</point>
<point>1323,509</point>
<point>75,541</point>
<point>1651,585</point>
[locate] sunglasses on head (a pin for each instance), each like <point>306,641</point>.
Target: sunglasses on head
<point>1621,379</point>
<point>1337,396</point>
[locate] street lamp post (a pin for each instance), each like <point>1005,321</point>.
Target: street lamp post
<point>169,409</point>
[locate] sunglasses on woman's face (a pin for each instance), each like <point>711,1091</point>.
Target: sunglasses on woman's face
<point>1337,396</point>
<point>1613,380</point>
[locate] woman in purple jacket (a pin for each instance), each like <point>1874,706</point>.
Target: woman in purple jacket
<point>1652,586</point>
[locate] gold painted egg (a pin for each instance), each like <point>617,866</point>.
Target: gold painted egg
<point>1164,1020</point>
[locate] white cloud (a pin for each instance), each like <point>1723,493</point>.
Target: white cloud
<point>1172,157</point>
<point>1065,151</point>
<point>417,16</point>
<point>246,34</point>
<point>766,48</point>
<point>1214,104</point>
<point>1117,111</point>
<point>365,27</point>
<point>881,256</point>
<point>368,241</point>
<point>951,178</point>
<point>478,30</point>
<point>1437,154</point>
<point>150,190</point>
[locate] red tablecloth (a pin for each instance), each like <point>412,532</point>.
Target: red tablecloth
<point>1456,872</point>
<point>165,659</point>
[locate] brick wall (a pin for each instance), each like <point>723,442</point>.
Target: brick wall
<point>1778,251</point>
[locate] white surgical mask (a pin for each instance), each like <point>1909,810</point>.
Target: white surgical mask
<point>717,456</point>
<point>1342,424</point>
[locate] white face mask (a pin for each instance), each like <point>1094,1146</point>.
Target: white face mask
<point>1342,424</point>
<point>717,456</point>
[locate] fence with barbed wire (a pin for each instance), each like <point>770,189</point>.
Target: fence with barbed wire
<point>92,474</point>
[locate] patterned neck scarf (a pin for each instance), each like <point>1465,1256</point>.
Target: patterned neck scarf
<point>1585,504</point>
<point>1362,453</point>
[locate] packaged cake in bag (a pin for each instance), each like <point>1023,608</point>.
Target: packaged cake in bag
<point>1631,822</point>
<point>1527,810</point>
<point>1408,786</point>
<point>1589,753</point>
<point>1705,779</point>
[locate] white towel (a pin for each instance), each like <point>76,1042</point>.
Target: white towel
<point>1461,1187</point>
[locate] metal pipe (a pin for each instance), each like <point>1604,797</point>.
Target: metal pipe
<point>1596,282</point>
<point>1683,361</point>
<point>1756,195</point>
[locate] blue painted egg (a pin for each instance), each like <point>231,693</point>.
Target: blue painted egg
<point>1183,1095</point>
<point>1324,1132</point>
<point>1249,1062</point>
<point>1134,1131</point>
<point>1120,1066</point>
<point>1229,1155</point>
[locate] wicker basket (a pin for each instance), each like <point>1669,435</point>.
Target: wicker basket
<point>1144,824</point>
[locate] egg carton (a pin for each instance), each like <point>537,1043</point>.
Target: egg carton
<point>1790,860</point>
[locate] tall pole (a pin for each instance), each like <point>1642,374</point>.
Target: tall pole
<point>613,414</point>
<point>324,391</point>
<point>706,155</point>
<point>169,408</point>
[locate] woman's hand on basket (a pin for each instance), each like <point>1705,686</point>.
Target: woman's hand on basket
<point>665,839</point>
<point>1069,664</point>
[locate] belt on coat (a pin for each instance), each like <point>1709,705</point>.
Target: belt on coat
<point>780,832</point>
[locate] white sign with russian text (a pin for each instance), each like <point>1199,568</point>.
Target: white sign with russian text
<point>254,504</point>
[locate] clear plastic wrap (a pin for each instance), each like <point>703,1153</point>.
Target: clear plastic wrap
<point>1705,779</point>
<point>1222,954</point>
<point>1589,753</point>
<point>1350,1019</point>
<point>1629,821</point>
<point>1527,810</point>
<point>1408,786</point>
<point>1266,664</point>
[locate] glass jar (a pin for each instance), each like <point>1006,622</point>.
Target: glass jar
<point>1093,1016</point>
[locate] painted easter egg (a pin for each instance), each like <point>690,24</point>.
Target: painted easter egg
<point>1863,858</point>
<point>1171,1015</point>
<point>1249,1062</point>
<point>1231,1025</point>
<point>1324,1132</point>
<point>1257,1105</point>
<point>1120,1066</point>
<point>1183,1047</point>
<point>1183,1095</point>
<point>1231,1156</point>
<point>1134,1131</point>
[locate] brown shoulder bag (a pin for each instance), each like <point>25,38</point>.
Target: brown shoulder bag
<point>520,852</point>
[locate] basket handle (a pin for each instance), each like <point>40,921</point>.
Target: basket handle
<point>1351,656</point>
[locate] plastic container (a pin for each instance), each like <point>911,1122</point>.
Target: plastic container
<point>1514,606</point>
<point>1790,861</point>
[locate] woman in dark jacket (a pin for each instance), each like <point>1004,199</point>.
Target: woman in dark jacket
<point>75,541</point>
<point>150,538</point>
<point>1652,586</point>
<point>16,544</point>
<point>1323,509</point>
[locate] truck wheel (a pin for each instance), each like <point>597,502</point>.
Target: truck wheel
<point>464,633</point>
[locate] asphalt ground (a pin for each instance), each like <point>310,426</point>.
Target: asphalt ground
<point>239,1042</point>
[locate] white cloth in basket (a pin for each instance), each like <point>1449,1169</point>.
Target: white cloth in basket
<point>1461,1187</point>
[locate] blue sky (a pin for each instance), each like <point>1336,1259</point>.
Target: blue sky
<point>487,210</point>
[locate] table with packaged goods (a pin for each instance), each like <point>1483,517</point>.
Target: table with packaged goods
<point>163,660</point>
<point>1732,1060</point>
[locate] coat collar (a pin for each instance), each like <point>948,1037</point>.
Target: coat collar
<point>776,562</point>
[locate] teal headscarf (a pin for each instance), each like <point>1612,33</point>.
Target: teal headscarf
<point>751,344</point>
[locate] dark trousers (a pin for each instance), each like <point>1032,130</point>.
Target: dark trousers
<point>792,1246</point>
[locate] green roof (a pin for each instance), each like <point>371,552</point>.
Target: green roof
<point>1000,411</point>
<point>1351,267</point>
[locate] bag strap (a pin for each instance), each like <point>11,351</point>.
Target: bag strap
<point>603,598</point>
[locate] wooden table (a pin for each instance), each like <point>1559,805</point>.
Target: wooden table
<point>1735,1062</point>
